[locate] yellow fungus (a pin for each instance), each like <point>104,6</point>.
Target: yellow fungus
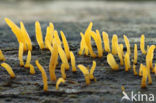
<point>148,47</point>
<point>142,44</point>
<point>127,44</point>
<point>59,81</point>
<point>89,28</point>
<point>49,46</point>
<point>20,54</point>
<point>9,69</point>
<point>127,62</point>
<point>144,77</point>
<point>120,55</point>
<point>154,69</point>
<point>121,47</point>
<point>2,57</point>
<point>73,62</point>
<point>65,44</point>
<point>44,75</point>
<point>92,71</point>
<point>63,71</point>
<point>122,88</point>
<point>140,70</point>
<point>53,62</point>
<point>114,44</point>
<point>111,61</point>
<point>134,69</point>
<point>56,37</point>
<point>83,46</point>
<point>106,41</point>
<point>85,72</point>
<point>49,36</point>
<point>32,70</point>
<point>27,64</point>
<point>135,54</point>
<point>39,37</point>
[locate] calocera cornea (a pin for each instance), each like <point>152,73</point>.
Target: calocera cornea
<point>73,62</point>
<point>121,47</point>
<point>120,55</point>
<point>20,54</point>
<point>2,57</point>
<point>144,76</point>
<point>57,38</point>
<point>142,44</point>
<point>63,71</point>
<point>134,69</point>
<point>27,64</point>
<point>127,61</point>
<point>111,61</point>
<point>9,69</point>
<point>83,46</point>
<point>127,44</point>
<point>32,70</point>
<point>140,70</point>
<point>114,44</point>
<point>59,81</point>
<point>91,73</point>
<point>106,41</point>
<point>44,75</point>
<point>49,37</point>
<point>65,44</point>
<point>135,54</point>
<point>39,37</point>
<point>85,72</point>
<point>154,69</point>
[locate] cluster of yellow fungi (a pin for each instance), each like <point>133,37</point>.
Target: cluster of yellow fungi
<point>61,50</point>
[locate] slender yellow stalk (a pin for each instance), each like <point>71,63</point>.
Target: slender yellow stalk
<point>120,55</point>
<point>142,44</point>
<point>32,70</point>
<point>127,62</point>
<point>73,62</point>
<point>2,57</point>
<point>89,28</point>
<point>127,44</point>
<point>92,70</point>
<point>140,70</point>
<point>27,64</point>
<point>111,61</point>
<point>106,41</point>
<point>49,36</point>
<point>39,37</point>
<point>144,77</point>
<point>49,46</point>
<point>114,44</point>
<point>20,54</point>
<point>135,54</point>
<point>154,69</point>
<point>59,81</point>
<point>56,37</point>
<point>85,72</point>
<point>63,71</point>
<point>83,46</point>
<point>9,69</point>
<point>134,69</point>
<point>44,75</point>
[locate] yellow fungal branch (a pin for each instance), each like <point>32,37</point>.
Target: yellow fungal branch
<point>85,72</point>
<point>27,64</point>
<point>149,56</point>
<point>83,46</point>
<point>39,37</point>
<point>106,41</point>
<point>49,46</point>
<point>140,70</point>
<point>53,63</point>
<point>142,44</point>
<point>73,61</point>
<point>121,47</point>
<point>20,54</point>
<point>134,69</point>
<point>9,69</point>
<point>144,77</point>
<point>135,54</point>
<point>89,28</point>
<point>63,71</point>
<point>127,44</point>
<point>56,37</point>
<point>2,57</point>
<point>44,75</point>
<point>32,70</point>
<point>26,36</point>
<point>114,44</point>
<point>65,44</point>
<point>154,69</point>
<point>59,81</point>
<point>120,55</point>
<point>111,61</point>
<point>49,36</point>
<point>92,71</point>
<point>127,62</point>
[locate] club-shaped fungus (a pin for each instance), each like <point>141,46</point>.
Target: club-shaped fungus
<point>26,36</point>
<point>49,37</point>
<point>142,44</point>
<point>91,73</point>
<point>106,41</point>
<point>127,61</point>
<point>44,75</point>
<point>114,44</point>
<point>20,54</point>
<point>144,77</point>
<point>134,69</point>
<point>83,46</point>
<point>39,37</point>
<point>9,69</point>
<point>63,57</point>
<point>63,71</point>
<point>120,55</point>
<point>27,64</point>
<point>135,54</point>
<point>2,57</point>
<point>121,47</point>
<point>57,38</point>
<point>73,61</point>
<point>65,44</point>
<point>111,61</point>
<point>154,69</point>
<point>53,63</point>
<point>127,44</point>
<point>140,70</point>
<point>32,70</point>
<point>59,81</point>
<point>85,72</point>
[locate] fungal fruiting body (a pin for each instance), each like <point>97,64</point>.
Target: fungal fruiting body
<point>53,63</point>
<point>120,55</point>
<point>111,61</point>
<point>92,71</point>
<point>127,62</point>
<point>49,35</point>
<point>127,44</point>
<point>65,44</point>
<point>32,70</point>
<point>135,54</point>
<point>49,46</point>
<point>121,47</point>
<point>134,69</point>
<point>2,57</point>
<point>27,64</point>
<point>85,72</point>
<point>39,37</point>
<point>142,44</point>
<point>44,75</point>
<point>59,81</point>
<point>20,54</point>
<point>9,69</point>
<point>114,44</point>
<point>154,69</point>
<point>63,71</point>
<point>106,41</point>
<point>83,46</point>
<point>73,62</point>
<point>140,70</point>
<point>144,76</point>
<point>56,36</point>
